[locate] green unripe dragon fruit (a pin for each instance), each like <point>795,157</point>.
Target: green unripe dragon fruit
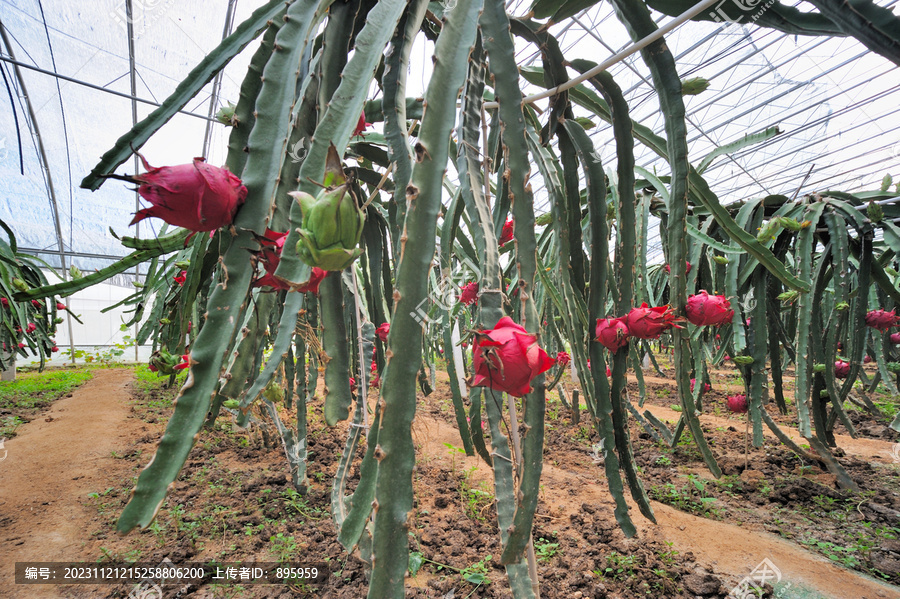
<point>769,230</point>
<point>225,115</point>
<point>332,221</point>
<point>694,86</point>
<point>874,212</point>
<point>788,223</point>
<point>743,360</point>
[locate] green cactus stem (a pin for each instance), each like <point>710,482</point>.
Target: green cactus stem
<point>395,453</point>
<point>500,51</point>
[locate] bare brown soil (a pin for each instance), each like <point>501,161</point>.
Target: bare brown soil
<point>70,471</point>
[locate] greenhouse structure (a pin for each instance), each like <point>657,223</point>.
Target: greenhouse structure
<point>456,298</point>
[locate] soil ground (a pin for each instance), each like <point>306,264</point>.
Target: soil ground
<point>69,472</point>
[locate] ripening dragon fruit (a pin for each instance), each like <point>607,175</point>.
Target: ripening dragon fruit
<point>196,196</point>
<point>507,357</point>
<point>737,403</point>
<point>705,309</point>
<point>649,323</point>
<point>882,320</point>
<point>612,333</point>
<point>506,234</point>
<point>469,293</point>
<point>841,369</point>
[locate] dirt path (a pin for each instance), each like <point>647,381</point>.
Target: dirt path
<point>885,452</point>
<point>733,551</point>
<point>51,466</point>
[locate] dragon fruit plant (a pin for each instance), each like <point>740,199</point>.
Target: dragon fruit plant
<point>311,254</point>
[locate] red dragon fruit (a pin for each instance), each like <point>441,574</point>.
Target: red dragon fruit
<point>649,323</point>
<point>507,358</point>
<point>737,403</point>
<point>882,320</point>
<point>706,387</point>
<point>612,333</point>
<point>841,369</point>
<point>272,242</point>
<point>705,309</point>
<point>687,267</point>
<point>469,294</point>
<point>382,331</point>
<point>563,358</point>
<point>895,338</point>
<point>196,196</point>
<point>361,125</point>
<point>506,235</point>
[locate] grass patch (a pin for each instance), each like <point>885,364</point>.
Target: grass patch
<point>146,381</point>
<point>32,391</point>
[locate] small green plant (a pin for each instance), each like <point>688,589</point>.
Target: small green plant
<point>477,573</point>
<point>730,485</point>
<point>663,461</point>
<point>454,451</point>
<point>98,494</point>
<point>295,502</point>
<point>619,567</point>
<point>545,550</point>
<point>475,499</point>
<point>669,556</point>
<point>692,497</point>
<point>282,547</point>
<point>9,424</point>
<point>846,556</point>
